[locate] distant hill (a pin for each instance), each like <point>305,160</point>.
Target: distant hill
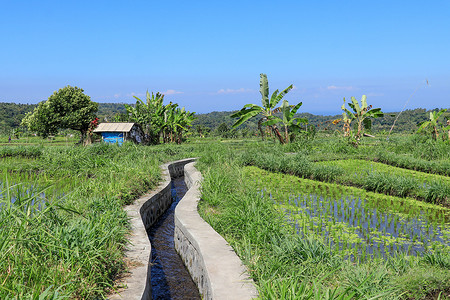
<point>106,111</point>
<point>11,115</point>
<point>407,121</point>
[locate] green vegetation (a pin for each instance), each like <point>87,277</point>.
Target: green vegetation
<point>159,121</point>
<point>361,116</point>
<point>69,108</point>
<point>11,115</point>
<point>436,127</point>
<point>62,226</point>
<point>311,215</point>
<point>268,109</point>
<point>391,180</point>
<point>273,207</point>
<point>306,239</point>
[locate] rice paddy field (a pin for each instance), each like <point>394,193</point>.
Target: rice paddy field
<point>354,226</point>
<point>315,219</point>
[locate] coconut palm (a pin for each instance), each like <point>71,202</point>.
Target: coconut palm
<point>266,110</point>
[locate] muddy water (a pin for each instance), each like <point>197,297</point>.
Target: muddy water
<point>169,277</point>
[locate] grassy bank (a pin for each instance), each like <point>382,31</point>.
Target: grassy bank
<point>62,226</point>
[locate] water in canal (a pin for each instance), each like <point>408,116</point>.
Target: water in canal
<point>169,277</point>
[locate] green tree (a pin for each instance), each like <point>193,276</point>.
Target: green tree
<point>362,115</point>
<point>149,115</point>
<point>68,108</point>
<point>287,118</point>
<point>434,123</point>
<point>168,122</point>
<point>266,110</point>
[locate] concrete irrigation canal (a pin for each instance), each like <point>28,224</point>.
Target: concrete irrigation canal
<point>169,277</point>
<point>173,252</point>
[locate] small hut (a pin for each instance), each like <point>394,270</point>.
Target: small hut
<point>120,132</point>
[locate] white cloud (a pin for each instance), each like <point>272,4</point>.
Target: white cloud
<point>171,92</point>
<point>231,91</point>
<point>116,96</point>
<point>344,88</point>
<point>132,94</point>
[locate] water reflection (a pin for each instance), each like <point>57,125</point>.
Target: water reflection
<point>351,224</point>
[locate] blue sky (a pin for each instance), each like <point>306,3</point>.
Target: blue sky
<point>207,55</point>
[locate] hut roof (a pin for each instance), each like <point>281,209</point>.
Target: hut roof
<point>114,127</point>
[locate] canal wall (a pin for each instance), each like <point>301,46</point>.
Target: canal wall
<point>212,263</point>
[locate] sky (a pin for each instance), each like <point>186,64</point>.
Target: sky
<point>208,55</point>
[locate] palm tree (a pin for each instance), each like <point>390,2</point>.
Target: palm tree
<point>266,110</point>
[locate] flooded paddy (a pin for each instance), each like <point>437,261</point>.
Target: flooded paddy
<point>353,226</point>
<point>354,222</point>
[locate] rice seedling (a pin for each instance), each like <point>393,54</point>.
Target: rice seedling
<point>394,181</point>
<point>371,225</point>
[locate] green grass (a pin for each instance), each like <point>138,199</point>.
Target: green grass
<point>286,265</point>
<point>392,180</point>
<point>73,246</point>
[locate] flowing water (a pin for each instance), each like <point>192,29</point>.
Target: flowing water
<point>169,277</point>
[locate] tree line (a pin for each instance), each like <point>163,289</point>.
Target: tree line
<point>220,123</point>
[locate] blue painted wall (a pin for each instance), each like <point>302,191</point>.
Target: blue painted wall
<point>113,137</point>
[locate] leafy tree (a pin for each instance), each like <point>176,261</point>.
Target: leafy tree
<point>288,119</point>
<point>176,122</point>
<point>266,110</point>
<point>433,123</point>
<point>168,122</point>
<point>149,114</point>
<point>69,108</point>
<point>362,115</point>
<point>223,130</point>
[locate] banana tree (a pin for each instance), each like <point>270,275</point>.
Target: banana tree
<point>434,118</point>
<point>266,110</point>
<point>176,121</point>
<point>149,114</point>
<point>288,120</point>
<point>362,115</point>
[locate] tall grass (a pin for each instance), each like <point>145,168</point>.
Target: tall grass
<point>72,244</point>
<point>413,163</point>
<point>298,165</point>
<point>21,151</point>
